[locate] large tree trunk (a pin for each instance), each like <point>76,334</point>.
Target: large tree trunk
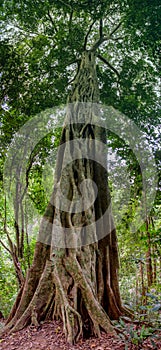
<point>74,275</point>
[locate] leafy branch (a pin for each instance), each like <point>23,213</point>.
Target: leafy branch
<point>109,65</point>
<point>103,37</point>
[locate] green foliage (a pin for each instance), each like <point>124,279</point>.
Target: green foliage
<point>42,42</point>
<point>152,307</point>
<point>136,333</point>
<point>8,284</point>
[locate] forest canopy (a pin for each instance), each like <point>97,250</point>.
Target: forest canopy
<point>74,53</point>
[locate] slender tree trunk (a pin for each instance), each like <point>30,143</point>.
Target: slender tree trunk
<point>143,289</point>
<point>148,257</point>
<point>137,289</point>
<point>77,283</point>
<point>13,251</point>
<point>28,251</point>
<point>154,264</point>
<point>154,251</point>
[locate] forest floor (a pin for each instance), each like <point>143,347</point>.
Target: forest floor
<point>49,336</point>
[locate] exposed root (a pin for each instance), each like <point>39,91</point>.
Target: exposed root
<point>39,303</point>
<point>15,306</point>
<point>127,312</point>
<point>71,318</point>
<point>98,316</point>
<point>34,317</point>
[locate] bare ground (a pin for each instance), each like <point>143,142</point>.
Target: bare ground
<point>49,336</point>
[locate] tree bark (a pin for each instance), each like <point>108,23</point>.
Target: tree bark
<point>75,277</point>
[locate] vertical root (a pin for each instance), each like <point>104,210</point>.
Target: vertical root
<point>71,318</point>
<point>98,316</point>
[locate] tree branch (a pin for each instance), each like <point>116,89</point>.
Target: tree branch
<point>51,19</point>
<point>104,38</point>
<point>101,28</point>
<point>70,20</point>
<point>109,65</point>
<point>99,42</point>
<point>65,4</point>
<point>77,60</point>
<point>5,246</point>
<point>71,81</point>
<point>6,231</point>
<point>86,37</point>
<point>118,38</point>
<point>116,28</point>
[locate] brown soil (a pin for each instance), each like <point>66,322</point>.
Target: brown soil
<point>49,336</point>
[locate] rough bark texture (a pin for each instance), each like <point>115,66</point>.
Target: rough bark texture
<point>75,282</point>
